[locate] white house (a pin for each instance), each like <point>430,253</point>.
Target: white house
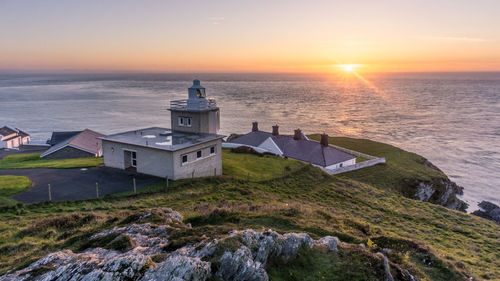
<point>190,148</point>
<point>296,146</point>
<point>11,137</point>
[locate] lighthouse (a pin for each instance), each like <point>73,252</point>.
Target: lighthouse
<point>197,114</point>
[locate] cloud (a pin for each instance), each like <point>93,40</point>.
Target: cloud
<point>450,38</point>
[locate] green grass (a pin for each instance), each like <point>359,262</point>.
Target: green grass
<point>23,161</point>
<point>360,159</point>
<point>248,166</point>
<point>10,185</point>
<point>305,200</point>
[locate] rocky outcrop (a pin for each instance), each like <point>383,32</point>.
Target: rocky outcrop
<point>439,191</point>
<point>138,252</point>
<point>488,211</point>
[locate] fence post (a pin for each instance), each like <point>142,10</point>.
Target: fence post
<point>167,182</point>
<point>192,175</point>
<point>50,194</point>
<point>135,187</point>
<point>215,172</point>
<point>97,189</point>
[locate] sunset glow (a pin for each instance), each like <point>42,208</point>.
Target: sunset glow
<point>250,36</point>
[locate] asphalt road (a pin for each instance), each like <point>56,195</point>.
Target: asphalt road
<point>77,184</point>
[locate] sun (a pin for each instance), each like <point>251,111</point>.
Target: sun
<point>348,67</point>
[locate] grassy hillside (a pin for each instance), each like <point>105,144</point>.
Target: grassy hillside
<point>432,242</point>
<point>402,173</point>
<point>10,185</point>
<point>23,161</point>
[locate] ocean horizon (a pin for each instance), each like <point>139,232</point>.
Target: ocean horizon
<point>452,119</point>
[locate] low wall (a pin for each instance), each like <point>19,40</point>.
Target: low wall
<point>234,145</point>
<point>357,166</point>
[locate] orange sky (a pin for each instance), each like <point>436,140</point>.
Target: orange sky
<point>253,36</point>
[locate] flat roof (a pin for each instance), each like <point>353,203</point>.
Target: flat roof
<point>161,138</point>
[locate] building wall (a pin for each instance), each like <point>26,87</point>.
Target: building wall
<point>150,161</point>
<point>271,146</point>
<point>343,164</point>
<point>208,165</point>
<point>162,163</point>
<point>203,121</point>
<point>12,143</point>
<point>69,152</point>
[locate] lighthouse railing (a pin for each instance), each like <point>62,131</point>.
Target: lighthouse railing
<point>198,105</point>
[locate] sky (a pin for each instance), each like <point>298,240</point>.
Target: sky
<point>250,36</point>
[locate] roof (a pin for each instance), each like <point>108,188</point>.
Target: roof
<point>161,138</point>
<point>87,140</point>
<point>7,130</point>
<point>58,137</point>
<point>304,149</point>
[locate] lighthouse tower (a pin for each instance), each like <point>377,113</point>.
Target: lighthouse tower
<point>197,114</point>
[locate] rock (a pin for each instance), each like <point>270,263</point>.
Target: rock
<point>177,268</point>
<point>388,275</point>
<point>241,266</point>
<point>330,242</point>
<point>439,191</point>
<point>245,259</point>
<point>272,244</point>
<point>488,211</point>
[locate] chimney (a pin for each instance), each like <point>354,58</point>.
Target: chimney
<point>275,130</point>
<point>255,126</point>
<point>324,139</point>
<point>297,135</point>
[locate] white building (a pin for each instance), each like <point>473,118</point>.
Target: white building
<point>11,137</point>
<point>191,148</point>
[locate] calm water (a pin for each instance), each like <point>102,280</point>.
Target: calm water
<point>451,119</point>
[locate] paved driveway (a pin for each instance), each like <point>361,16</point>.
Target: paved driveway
<point>77,184</point>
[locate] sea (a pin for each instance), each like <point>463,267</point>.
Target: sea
<point>452,119</point>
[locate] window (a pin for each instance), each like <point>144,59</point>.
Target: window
<point>188,121</point>
<point>341,164</point>
<point>181,121</point>
<point>133,159</point>
<point>212,150</point>
<point>198,154</point>
<point>184,158</point>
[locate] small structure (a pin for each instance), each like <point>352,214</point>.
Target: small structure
<point>297,146</point>
<point>67,145</point>
<point>191,148</point>
<point>11,137</point>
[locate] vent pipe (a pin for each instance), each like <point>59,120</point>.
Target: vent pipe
<point>275,130</point>
<point>255,126</point>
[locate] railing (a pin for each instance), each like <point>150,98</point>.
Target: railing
<point>195,105</point>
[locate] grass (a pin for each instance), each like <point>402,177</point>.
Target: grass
<point>247,166</point>
<point>305,200</point>
<point>403,171</point>
<point>23,161</point>
<point>10,185</point>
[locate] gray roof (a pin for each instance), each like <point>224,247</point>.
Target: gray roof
<point>58,137</point>
<point>303,149</point>
<point>87,140</point>
<point>161,138</point>
<point>6,130</point>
